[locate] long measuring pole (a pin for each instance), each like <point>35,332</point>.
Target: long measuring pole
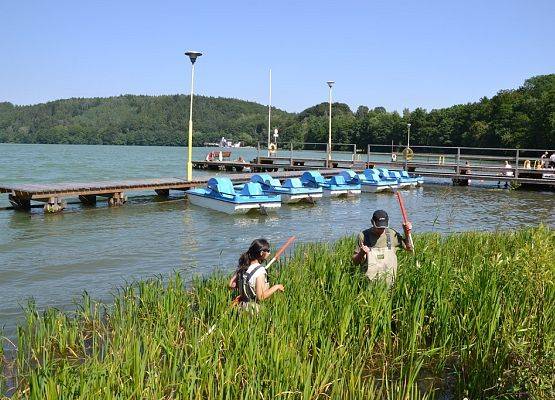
<point>408,234</point>
<point>281,250</point>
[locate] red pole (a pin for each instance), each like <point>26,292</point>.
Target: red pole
<point>281,250</point>
<point>408,234</point>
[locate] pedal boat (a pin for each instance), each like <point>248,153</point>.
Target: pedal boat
<point>333,187</point>
<point>371,182</point>
<point>389,176</point>
<point>404,179</point>
<point>219,195</point>
<point>292,190</point>
<point>392,182</point>
<point>419,179</point>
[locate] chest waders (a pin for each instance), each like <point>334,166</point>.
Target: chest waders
<point>382,262</point>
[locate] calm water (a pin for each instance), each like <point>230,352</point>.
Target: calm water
<point>53,258</point>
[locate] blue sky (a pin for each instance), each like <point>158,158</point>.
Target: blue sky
<point>394,54</point>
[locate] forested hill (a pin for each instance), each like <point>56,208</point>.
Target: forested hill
<point>522,117</point>
<point>140,120</point>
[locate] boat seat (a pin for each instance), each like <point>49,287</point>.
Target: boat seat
<point>385,173</point>
<point>372,175</point>
<point>395,174</point>
<point>293,183</point>
<point>338,180</point>
<point>221,185</point>
<point>312,177</point>
<point>266,180</point>
<point>350,176</point>
<point>252,189</point>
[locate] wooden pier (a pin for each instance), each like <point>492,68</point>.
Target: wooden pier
<point>431,161</point>
<point>449,163</point>
<point>54,195</point>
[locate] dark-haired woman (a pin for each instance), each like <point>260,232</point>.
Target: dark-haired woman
<point>250,278</point>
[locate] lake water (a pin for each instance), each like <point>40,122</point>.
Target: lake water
<point>54,258</point>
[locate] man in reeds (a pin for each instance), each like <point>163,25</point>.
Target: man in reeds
<point>377,247</point>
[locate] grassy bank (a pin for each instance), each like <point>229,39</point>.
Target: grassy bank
<point>471,314</point>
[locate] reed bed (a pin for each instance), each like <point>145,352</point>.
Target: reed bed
<point>470,315</point>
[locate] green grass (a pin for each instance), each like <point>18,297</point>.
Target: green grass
<point>471,314</point>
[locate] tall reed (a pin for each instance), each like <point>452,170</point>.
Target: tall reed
<point>471,314</point>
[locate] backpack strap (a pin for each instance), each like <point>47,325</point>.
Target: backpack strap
<point>249,275</point>
<point>388,238</point>
<point>250,294</point>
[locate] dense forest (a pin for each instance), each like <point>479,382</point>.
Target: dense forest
<point>522,118</point>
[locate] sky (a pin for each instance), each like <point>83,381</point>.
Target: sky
<point>395,54</point>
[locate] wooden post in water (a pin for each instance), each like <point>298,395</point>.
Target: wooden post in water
<point>368,154</point>
<point>517,160</point>
<point>258,153</point>
<point>458,160</point>
<point>291,153</point>
<point>354,153</point>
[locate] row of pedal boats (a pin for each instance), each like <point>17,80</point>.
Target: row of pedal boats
<point>264,193</point>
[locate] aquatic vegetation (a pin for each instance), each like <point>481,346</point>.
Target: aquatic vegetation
<point>471,314</point>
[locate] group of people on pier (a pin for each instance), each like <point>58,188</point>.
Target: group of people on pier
<point>376,250</point>
<point>547,161</point>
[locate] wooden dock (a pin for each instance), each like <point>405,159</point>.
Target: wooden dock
<point>450,170</point>
<point>449,163</point>
<point>54,195</point>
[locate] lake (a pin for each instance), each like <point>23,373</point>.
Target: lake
<point>53,258</point>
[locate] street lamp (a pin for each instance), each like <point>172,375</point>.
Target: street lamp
<point>193,55</point>
<point>330,84</point>
<point>408,135</point>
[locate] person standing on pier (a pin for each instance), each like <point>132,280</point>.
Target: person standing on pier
<point>543,160</point>
<point>250,278</point>
<point>377,247</point>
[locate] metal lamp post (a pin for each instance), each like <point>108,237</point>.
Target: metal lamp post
<point>193,55</point>
<point>328,163</point>
<point>408,135</point>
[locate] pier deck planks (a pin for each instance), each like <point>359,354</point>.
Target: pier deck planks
<point>73,189</point>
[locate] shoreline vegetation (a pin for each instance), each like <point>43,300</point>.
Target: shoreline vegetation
<point>515,118</point>
<point>470,315</point>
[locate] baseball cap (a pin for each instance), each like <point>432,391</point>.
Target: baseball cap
<point>380,219</point>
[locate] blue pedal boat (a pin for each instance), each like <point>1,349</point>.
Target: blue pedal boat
<point>220,195</point>
<point>419,179</point>
<point>394,183</point>
<point>333,187</point>
<point>387,175</point>
<point>346,183</point>
<point>404,180</point>
<point>372,183</point>
<point>312,179</point>
<point>292,190</point>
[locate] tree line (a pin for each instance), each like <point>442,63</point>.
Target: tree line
<point>516,118</point>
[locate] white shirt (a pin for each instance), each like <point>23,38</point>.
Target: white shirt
<point>259,271</point>
<point>508,173</point>
<point>552,158</point>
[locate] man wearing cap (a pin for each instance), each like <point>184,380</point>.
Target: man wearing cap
<point>377,246</point>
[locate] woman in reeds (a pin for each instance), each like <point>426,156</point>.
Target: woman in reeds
<point>250,278</point>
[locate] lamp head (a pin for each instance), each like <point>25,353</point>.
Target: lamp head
<point>408,125</point>
<point>193,55</point>
<point>330,83</point>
